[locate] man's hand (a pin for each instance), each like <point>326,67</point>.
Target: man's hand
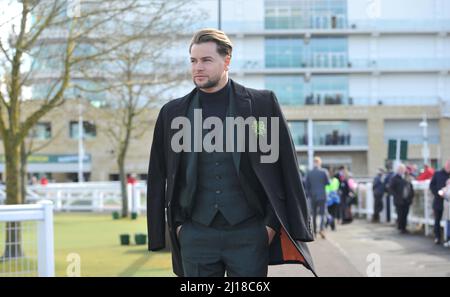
<point>271,233</point>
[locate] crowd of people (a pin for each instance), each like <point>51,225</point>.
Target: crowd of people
<point>332,194</point>
<point>398,186</point>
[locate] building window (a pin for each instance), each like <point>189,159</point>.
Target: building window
<point>299,132</point>
<point>327,52</point>
<point>327,90</point>
<point>346,133</point>
<point>410,131</point>
<point>305,14</point>
<point>319,90</point>
<point>89,130</point>
<point>288,88</point>
<point>41,131</point>
<point>284,52</point>
<point>321,52</point>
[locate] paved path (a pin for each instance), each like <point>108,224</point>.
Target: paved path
<point>352,248</point>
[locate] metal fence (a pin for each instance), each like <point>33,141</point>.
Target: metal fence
<point>26,240</point>
<point>87,196</point>
<point>421,210</point>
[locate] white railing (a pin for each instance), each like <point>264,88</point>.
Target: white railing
<point>88,196</point>
<point>23,239</point>
<point>421,211</point>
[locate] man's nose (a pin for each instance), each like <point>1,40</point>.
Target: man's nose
<point>198,67</point>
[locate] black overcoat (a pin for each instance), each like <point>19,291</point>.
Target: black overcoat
<point>280,180</point>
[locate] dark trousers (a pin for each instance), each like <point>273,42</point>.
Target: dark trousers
<point>437,222</point>
<point>378,206</point>
<point>333,211</point>
<point>402,216</point>
<point>318,208</point>
<point>210,251</point>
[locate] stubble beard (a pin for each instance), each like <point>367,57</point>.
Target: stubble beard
<point>210,83</point>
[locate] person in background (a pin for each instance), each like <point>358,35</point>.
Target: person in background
<point>347,197</point>
<point>438,182</point>
<point>33,180</point>
<point>316,180</point>
<point>44,180</point>
<point>427,173</point>
<point>403,193</point>
<point>387,189</point>
<point>333,201</point>
<point>378,192</point>
<point>131,179</point>
<point>445,194</point>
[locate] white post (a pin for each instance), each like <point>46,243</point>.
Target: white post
<point>129,197</point>
<point>46,260</point>
<point>310,145</point>
<point>425,149</point>
<point>136,199</point>
<point>58,200</point>
<point>426,212</point>
<point>101,201</point>
<point>369,201</point>
<point>397,155</point>
<point>80,145</point>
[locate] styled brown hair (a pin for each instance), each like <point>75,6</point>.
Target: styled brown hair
<point>224,45</point>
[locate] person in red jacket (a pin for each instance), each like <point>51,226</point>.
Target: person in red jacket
<point>427,173</point>
<point>44,180</point>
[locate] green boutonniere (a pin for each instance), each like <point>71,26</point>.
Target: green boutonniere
<point>259,128</point>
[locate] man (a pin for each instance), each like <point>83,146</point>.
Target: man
<point>316,181</point>
<point>403,194</point>
<point>437,183</point>
<point>227,212</point>
<point>387,188</point>
<point>378,192</point>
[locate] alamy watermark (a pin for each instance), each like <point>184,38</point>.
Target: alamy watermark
<point>74,267</point>
<point>184,141</point>
<point>374,267</point>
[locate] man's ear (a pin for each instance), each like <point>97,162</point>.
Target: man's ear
<point>227,61</point>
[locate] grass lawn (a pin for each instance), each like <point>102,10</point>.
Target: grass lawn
<point>95,238</point>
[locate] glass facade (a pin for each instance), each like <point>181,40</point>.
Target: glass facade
<point>41,131</point>
<point>90,130</point>
<point>319,90</point>
<point>48,63</point>
<point>327,90</point>
<point>331,133</point>
<point>305,14</point>
<point>321,52</point>
<point>299,132</point>
<point>329,52</point>
<point>284,52</point>
<point>288,88</point>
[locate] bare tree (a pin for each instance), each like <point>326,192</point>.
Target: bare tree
<point>138,76</point>
<point>64,44</point>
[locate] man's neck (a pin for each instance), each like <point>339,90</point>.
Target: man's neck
<point>222,83</point>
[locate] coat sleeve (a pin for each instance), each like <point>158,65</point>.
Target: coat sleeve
<point>297,202</point>
<point>156,188</point>
<point>433,186</point>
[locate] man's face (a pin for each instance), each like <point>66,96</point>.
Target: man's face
<point>208,67</point>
